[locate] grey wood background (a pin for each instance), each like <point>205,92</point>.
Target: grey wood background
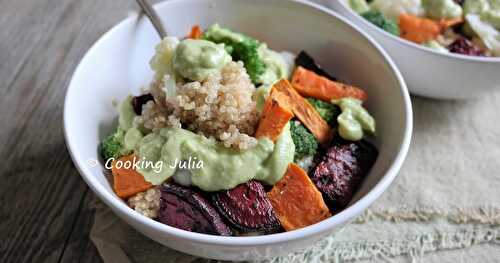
<point>45,207</point>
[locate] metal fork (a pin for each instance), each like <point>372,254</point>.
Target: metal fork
<point>153,17</point>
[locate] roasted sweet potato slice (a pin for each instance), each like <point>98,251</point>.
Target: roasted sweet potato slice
<point>418,29</point>
<point>196,32</point>
<point>247,208</point>
<point>296,200</point>
<point>288,98</point>
<point>187,209</point>
<point>274,118</point>
<point>126,181</point>
<point>310,84</point>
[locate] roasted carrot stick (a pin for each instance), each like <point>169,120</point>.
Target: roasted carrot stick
<point>195,33</point>
<point>296,200</point>
<point>288,98</point>
<point>310,84</point>
<point>274,119</point>
<point>417,29</point>
<point>127,182</point>
<point>446,23</point>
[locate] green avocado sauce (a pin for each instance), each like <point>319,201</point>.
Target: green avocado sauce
<point>196,59</point>
<point>488,10</point>
<point>359,6</point>
<point>354,119</point>
<point>222,168</point>
<point>276,67</point>
<point>438,9</point>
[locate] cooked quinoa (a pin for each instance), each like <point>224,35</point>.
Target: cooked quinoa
<point>220,107</point>
<point>146,203</point>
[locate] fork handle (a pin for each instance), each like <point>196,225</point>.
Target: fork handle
<point>153,17</point>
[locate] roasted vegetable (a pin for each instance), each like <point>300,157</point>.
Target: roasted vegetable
<point>465,47</point>
<point>326,110</point>
<point>288,97</point>
<point>247,208</point>
<point>310,84</point>
<point>274,118</point>
<point>187,209</point>
<point>126,181</point>
<point>195,33</point>
<point>112,146</point>
<point>138,101</point>
<point>341,170</point>
<point>305,143</point>
<point>296,200</point>
<point>306,61</point>
<point>246,49</point>
<point>378,19</point>
<point>418,29</point>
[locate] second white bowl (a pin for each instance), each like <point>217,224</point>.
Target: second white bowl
<point>431,73</point>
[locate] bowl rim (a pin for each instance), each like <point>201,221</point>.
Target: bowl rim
<point>404,42</point>
<point>120,207</point>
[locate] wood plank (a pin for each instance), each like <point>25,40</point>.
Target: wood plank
<point>41,193</point>
<point>79,247</point>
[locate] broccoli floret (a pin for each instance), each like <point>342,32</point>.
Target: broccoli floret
<point>305,143</point>
<point>327,111</point>
<point>112,146</point>
<point>378,19</point>
<point>247,52</point>
<point>241,48</point>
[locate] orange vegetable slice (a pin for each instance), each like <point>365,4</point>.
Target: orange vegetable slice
<point>274,119</point>
<point>126,181</point>
<point>196,32</point>
<point>446,23</point>
<point>296,200</point>
<point>417,29</point>
<point>310,84</point>
<point>289,98</point>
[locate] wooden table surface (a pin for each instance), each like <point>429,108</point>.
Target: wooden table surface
<point>45,207</point>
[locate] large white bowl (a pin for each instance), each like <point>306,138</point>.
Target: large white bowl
<point>431,73</point>
<point>117,65</point>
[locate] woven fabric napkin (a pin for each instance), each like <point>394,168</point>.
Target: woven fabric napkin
<point>445,199</point>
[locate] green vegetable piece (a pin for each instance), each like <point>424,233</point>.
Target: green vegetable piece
<point>112,146</point>
<point>241,47</point>
<point>326,110</point>
<point>378,19</point>
<point>305,143</point>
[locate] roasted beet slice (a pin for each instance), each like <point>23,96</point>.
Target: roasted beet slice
<point>465,47</point>
<point>247,208</point>
<point>187,209</point>
<point>307,62</point>
<point>341,170</point>
<point>138,101</point>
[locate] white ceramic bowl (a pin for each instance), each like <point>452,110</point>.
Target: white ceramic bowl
<point>117,65</point>
<point>431,73</point>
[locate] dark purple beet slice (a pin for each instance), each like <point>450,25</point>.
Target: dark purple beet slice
<point>138,101</point>
<point>247,208</point>
<point>465,47</point>
<point>187,209</point>
<point>307,62</point>
<point>341,170</point>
